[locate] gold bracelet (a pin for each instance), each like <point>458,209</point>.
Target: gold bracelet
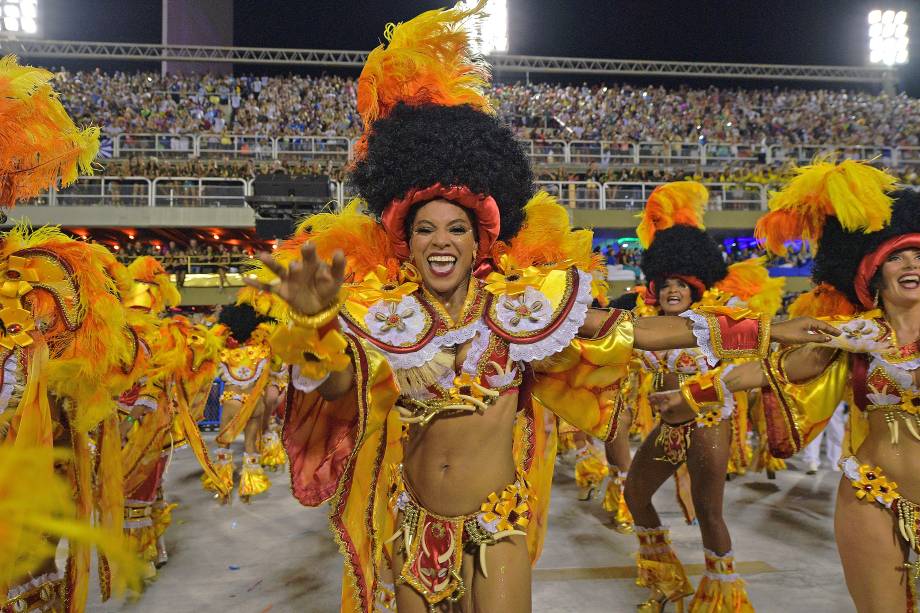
<point>319,319</point>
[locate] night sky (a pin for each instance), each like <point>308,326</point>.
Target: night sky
<point>758,31</point>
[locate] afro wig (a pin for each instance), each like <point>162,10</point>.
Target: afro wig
<point>683,250</point>
<point>841,252</point>
<point>419,146</point>
<point>241,320</point>
<point>625,302</point>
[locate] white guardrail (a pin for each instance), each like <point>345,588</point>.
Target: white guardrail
<point>338,149</point>
<point>232,192</point>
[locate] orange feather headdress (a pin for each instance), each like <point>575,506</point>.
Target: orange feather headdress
<point>426,60</point>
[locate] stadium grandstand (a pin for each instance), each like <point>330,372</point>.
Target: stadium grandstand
<point>225,123</point>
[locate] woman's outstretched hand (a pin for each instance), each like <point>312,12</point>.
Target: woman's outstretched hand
<point>309,285</point>
<point>803,330</point>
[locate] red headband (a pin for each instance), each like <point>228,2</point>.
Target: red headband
<point>872,262</point>
<point>651,296</point>
<point>484,208</point>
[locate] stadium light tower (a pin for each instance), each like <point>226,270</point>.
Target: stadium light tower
<point>18,17</point>
<point>888,37</point>
<point>490,35</point>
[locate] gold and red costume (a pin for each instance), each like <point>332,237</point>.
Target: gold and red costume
<point>63,347</point>
<point>164,406</point>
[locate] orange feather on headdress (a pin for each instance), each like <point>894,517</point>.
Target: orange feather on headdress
<point>426,60</point>
<point>676,203</point>
<point>854,192</point>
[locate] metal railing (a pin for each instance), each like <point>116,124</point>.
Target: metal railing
<point>622,195</point>
<point>110,191</point>
<point>199,192</point>
<point>339,149</point>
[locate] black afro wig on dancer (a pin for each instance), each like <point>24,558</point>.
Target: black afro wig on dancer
<point>841,252</point>
<point>241,320</point>
<point>418,146</point>
<point>683,250</point>
<point>625,302</point>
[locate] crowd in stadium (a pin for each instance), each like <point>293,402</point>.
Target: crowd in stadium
<point>148,102</point>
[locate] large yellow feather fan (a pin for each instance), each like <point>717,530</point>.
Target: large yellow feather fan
<point>426,60</point>
<point>852,191</point>
<point>39,144</point>
<point>675,203</point>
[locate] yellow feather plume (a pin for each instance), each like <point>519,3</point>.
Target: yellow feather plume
<point>39,143</point>
<point>426,60</point>
<point>750,281</point>
<point>547,237</point>
<point>679,202</point>
<point>854,192</point>
<point>29,514</point>
<point>146,269</point>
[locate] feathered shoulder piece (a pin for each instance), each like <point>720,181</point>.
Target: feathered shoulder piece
<point>426,60</point>
<point>41,144</point>
<point>750,282</point>
<point>59,297</point>
<point>852,191</point>
<point>146,270</point>
<point>822,301</point>
<point>675,203</point>
<point>547,240</point>
<point>358,235</point>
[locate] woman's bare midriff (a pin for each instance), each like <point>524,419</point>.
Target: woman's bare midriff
<point>899,462</point>
<point>456,461</point>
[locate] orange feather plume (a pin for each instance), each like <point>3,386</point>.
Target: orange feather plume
<point>147,269</point>
<point>824,300</point>
<point>854,192</point>
<point>676,203</point>
<point>39,144</point>
<point>426,60</point>
<point>750,281</point>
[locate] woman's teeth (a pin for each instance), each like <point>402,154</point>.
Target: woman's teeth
<point>910,281</point>
<point>442,264</point>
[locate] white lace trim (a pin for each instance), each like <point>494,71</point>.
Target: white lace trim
<point>718,576</point>
<point>409,311</point>
<point>477,348</point>
<point>564,334</point>
<point>728,407</point>
<point>500,381</point>
<point>305,384</point>
<point>898,370</point>
<point>703,338</point>
<point>148,402</point>
<point>243,382</point>
<point>22,588</point>
<point>405,361</point>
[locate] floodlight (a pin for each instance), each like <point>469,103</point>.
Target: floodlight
<point>888,38</point>
<point>19,16</point>
<point>490,34</point>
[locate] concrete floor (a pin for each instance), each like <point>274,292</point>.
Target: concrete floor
<point>277,556</point>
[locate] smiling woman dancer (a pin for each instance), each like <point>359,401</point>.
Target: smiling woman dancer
<point>869,261</point>
<point>684,269</point>
<point>414,407</point>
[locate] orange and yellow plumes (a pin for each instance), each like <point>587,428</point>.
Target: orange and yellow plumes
<point>676,203</point>
<point>39,144</point>
<point>854,192</point>
<point>425,61</point>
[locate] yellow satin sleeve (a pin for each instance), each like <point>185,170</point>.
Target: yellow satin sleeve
<point>582,384</point>
<point>803,408</point>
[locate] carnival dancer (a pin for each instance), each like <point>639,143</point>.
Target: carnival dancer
<point>684,267</point>
<point>867,272</point>
<point>244,367</point>
<point>63,345</point>
<point>273,309</point>
<point>415,409</point>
